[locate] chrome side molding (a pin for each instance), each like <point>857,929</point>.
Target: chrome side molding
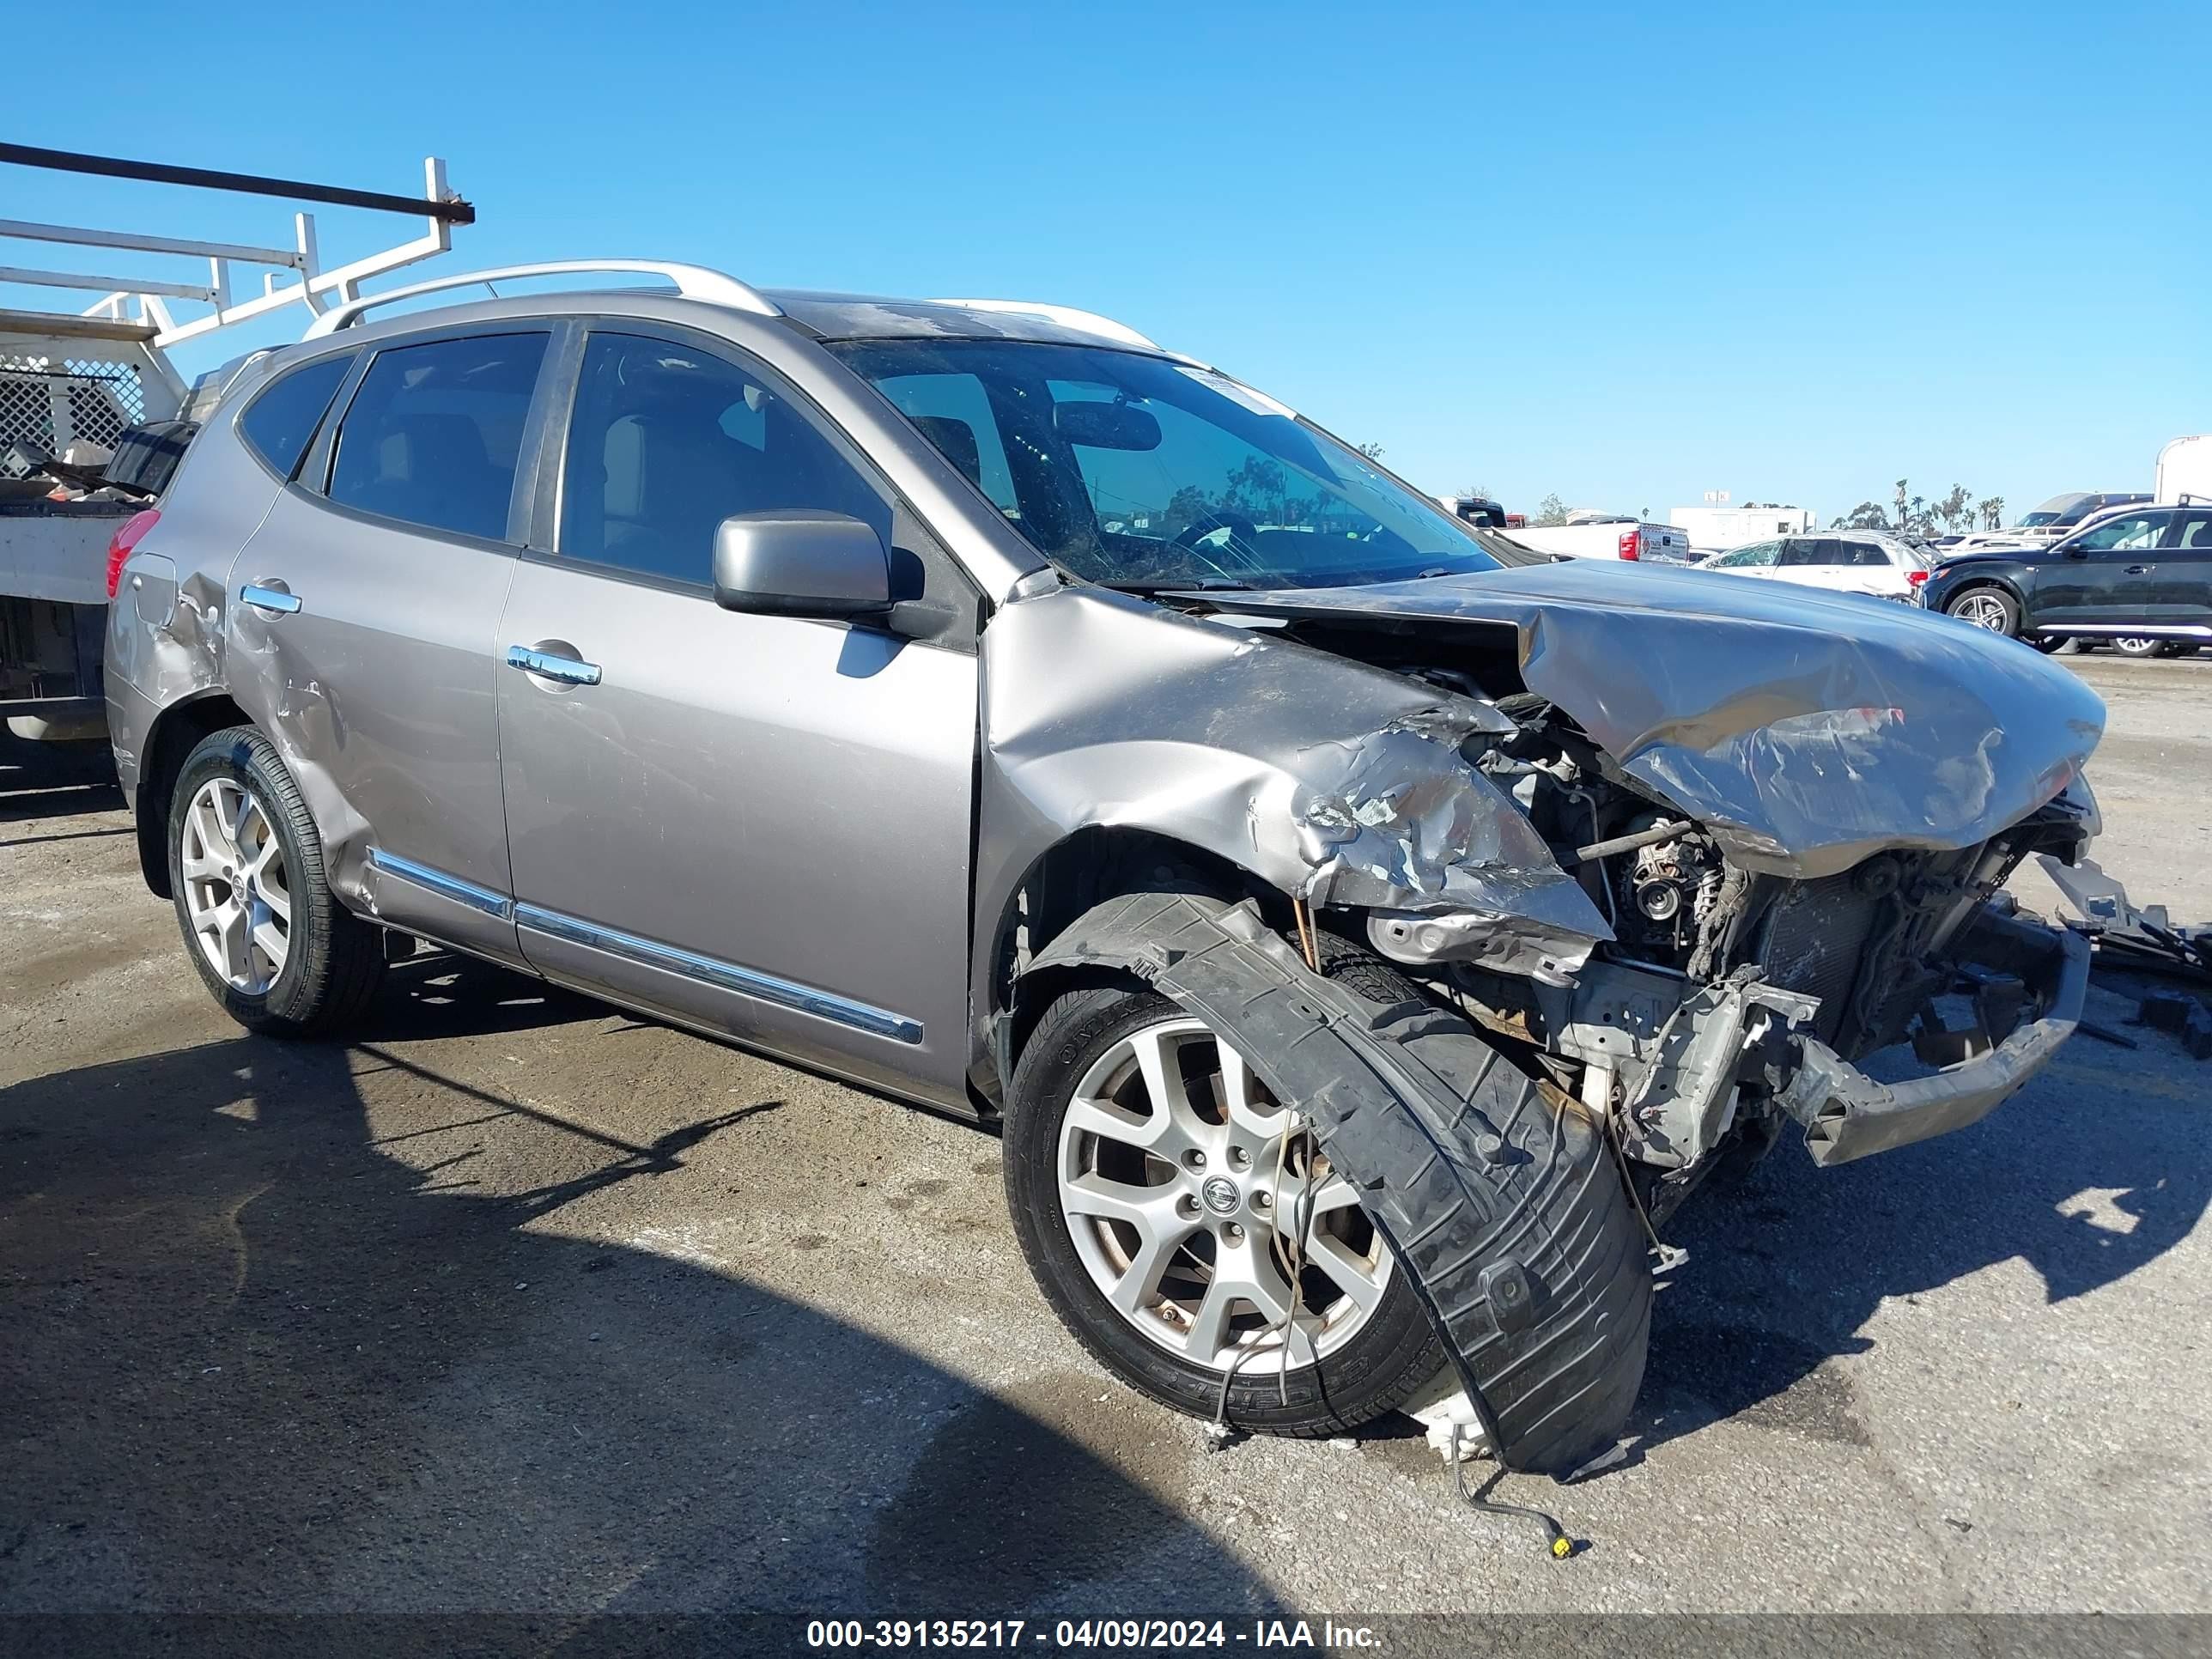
<point>651,953</point>
<point>444,885</point>
<point>724,976</point>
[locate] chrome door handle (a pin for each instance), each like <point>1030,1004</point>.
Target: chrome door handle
<point>268,599</point>
<point>566,670</point>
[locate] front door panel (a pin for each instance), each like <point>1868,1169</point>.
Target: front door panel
<point>758,824</point>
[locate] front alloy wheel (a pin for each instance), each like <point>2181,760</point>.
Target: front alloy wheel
<point>1189,1230</point>
<point>1205,1211</point>
<point>1984,607</point>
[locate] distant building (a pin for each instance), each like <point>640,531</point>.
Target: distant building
<point>1718,529</point>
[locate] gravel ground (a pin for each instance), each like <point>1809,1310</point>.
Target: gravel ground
<point>519,1302</point>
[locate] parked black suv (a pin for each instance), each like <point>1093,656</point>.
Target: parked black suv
<point>2138,579</point>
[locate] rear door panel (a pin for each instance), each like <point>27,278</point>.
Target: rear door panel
<point>379,689</point>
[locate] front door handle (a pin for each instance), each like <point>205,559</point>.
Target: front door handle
<point>2140,569</point>
<point>548,666</point>
<point>262,597</point>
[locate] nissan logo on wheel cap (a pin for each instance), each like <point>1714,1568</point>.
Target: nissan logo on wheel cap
<point>1219,1192</point>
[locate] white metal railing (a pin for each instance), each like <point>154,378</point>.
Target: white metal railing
<point>691,282</point>
<point>146,300</point>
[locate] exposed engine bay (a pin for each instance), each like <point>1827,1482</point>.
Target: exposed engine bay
<point>1689,1026</point>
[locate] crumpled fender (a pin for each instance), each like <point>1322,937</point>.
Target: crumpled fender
<point>1326,778</point>
<point>1497,1194</point>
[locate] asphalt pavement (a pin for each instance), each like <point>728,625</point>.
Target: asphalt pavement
<point>519,1302</point>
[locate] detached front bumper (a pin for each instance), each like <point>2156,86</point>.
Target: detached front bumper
<point>1847,1114</point>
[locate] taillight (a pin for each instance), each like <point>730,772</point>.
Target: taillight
<point>1632,544</point>
<point>127,538</point>
<point>1914,578</point>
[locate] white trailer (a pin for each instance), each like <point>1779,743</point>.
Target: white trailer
<point>1725,529</point>
<point>2185,469</point>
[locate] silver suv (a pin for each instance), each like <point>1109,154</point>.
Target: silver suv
<point>1363,936</point>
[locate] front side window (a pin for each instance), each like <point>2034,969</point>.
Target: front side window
<point>1134,471</point>
<point>281,423</point>
<point>2122,535</point>
<point>432,434</point>
<point>667,441</point>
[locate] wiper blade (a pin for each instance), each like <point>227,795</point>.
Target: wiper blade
<point>1192,585</point>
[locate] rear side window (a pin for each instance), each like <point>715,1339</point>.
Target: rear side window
<point>1864,553</point>
<point>1804,552</point>
<point>2193,531</point>
<point>282,422</point>
<point>433,435</point>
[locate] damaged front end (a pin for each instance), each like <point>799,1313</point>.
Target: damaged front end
<point>1680,862</point>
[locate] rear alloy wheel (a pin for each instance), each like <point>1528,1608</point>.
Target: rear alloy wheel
<point>237,892</point>
<point>1987,607</point>
<point>2139,645</point>
<point>246,867</point>
<point>1186,1226</point>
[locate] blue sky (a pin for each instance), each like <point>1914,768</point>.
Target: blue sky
<point>1791,251</point>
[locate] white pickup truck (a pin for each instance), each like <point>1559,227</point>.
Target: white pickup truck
<point>1606,536</point>
<point>94,416</point>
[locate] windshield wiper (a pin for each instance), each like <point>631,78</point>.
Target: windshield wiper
<point>1191,585</point>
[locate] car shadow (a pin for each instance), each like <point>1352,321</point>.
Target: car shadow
<point>262,1356</point>
<point>2095,1171</point>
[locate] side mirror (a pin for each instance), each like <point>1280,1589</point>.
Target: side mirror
<point>801,563</point>
<point>2072,551</point>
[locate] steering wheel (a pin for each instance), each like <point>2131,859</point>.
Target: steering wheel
<point>1218,519</point>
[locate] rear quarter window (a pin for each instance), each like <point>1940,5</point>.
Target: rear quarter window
<point>280,423</point>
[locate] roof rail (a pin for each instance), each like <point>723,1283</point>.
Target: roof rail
<point>692,282</point>
<point>1089,322</point>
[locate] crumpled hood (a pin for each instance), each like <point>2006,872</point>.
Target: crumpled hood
<point>1808,729</point>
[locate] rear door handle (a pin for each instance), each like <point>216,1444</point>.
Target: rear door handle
<point>547,666</point>
<point>262,596</point>
<point>2140,569</point>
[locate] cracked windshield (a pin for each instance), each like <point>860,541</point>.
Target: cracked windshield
<point>1145,474</point>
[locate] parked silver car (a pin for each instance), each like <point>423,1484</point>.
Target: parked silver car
<point>1363,942</point>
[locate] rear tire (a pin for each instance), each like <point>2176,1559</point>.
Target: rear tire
<point>300,965</point>
<point>2138,646</point>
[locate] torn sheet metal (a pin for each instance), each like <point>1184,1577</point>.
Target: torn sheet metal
<point>1324,777</point>
<point>2147,936</point>
<point>1808,730</point>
